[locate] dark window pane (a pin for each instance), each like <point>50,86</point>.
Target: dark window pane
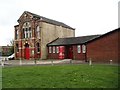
<point>17,48</point>
<point>38,47</point>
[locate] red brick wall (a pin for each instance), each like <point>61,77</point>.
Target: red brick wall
<point>78,56</point>
<point>104,48</point>
<point>53,55</point>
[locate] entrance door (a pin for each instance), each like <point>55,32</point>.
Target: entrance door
<point>68,52</point>
<point>27,51</point>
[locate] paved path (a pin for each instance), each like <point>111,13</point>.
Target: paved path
<point>40,62</point>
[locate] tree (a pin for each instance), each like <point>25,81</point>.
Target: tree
<point>12,47</point>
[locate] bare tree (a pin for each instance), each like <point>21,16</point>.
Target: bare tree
<point>12,47</point>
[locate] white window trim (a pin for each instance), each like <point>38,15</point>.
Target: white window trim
<point>57,49</point>
<point>83,49</point>
<point>38,31</point>
<point>17,34</point>
<point>78,48</point>
<point>53,49</point>
<point>50,49</point>
<point>27,32</point>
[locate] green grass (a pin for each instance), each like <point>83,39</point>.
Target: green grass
<point>0,77</point>
<point>61,76</point>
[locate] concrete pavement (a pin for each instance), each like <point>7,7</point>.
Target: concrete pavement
<point>40,62</point>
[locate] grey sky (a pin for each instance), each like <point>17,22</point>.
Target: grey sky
<point>87,16</point>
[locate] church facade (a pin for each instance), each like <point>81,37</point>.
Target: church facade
<point>34,32</point>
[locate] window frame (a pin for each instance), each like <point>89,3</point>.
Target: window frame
<point>57,49</point>
<point>53,49</point>
<point>83,48</point>
<point>38,31</point>
<point>17,34</point>
<point>38,47</point>
<point>27,31</point>
<point>78,48</point>
<point>50,49</point>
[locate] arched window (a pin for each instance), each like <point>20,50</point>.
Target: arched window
<point>30,32</point>
<point>38,32</point>
<point>17,32</point>
<point>27,32</point>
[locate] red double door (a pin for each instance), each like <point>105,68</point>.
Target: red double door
<point>27,53</point>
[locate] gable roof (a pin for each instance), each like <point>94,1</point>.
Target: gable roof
<point>44,19</point>
<point>79,40</point>
<point>110,32</point>
<point>72,40</point>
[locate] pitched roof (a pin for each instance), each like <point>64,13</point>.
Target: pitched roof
<point>110,32</point>
<point>72,40</point>
<point>79,40</point>
<point>50,20</point>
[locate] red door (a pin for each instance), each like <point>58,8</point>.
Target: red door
<point>61,52</point>
<point>70,52</point>
<point>27,53</point>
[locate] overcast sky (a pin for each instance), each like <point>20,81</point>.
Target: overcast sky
<point>88,17</point>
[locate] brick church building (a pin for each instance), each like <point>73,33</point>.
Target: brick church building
<point>34,32</point>
<point>37,37</point>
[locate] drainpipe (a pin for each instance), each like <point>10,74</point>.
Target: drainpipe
<point>21,46</point>
<point>34,36</point>
<point>86,53</point>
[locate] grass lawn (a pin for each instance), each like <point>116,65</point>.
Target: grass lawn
<point>61,76</point>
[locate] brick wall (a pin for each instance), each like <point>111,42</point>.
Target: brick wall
<point>104,48</point>
<point>52,55</point>
<point>48,33</point>
<point>78,56</point>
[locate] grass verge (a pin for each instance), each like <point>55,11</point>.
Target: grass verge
<point>61,76</point>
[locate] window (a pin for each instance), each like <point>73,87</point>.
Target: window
<point>17,48</point>
<point>17,34</point>
<point>30,32</point>
<point>50,51</point>
<point>38,47</point>
<point>38,31</point>
<point>53,49</point>
<point>83,49</point>
<point>27,32</point>
<point>57,49</point>
<point>79,49</point>
<point>23,35</point>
